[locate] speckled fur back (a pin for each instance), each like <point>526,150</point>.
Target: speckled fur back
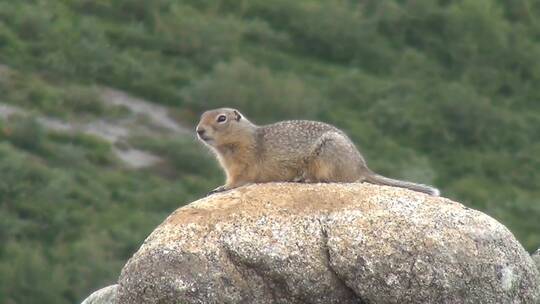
<point>293,137</point>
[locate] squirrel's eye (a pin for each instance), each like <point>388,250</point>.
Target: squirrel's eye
<point>221,118</point>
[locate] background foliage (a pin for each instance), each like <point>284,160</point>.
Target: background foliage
<point>442,92</point>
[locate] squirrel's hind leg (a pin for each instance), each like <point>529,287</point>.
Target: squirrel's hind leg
<point>333,158</point>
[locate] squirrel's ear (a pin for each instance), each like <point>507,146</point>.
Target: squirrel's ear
<point>237,115</point>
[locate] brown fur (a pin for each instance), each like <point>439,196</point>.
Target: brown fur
<point>289,151</point>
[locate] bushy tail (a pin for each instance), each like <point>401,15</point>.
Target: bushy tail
<point>381,180</point>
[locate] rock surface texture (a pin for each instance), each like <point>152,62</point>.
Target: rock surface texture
<point>328,243</point>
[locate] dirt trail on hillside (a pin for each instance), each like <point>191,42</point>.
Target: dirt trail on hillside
<point>156,121</point>
<point>158,115</point>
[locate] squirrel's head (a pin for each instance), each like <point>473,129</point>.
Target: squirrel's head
<point>222,126</point>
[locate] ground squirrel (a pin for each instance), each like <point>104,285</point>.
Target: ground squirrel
<point>287,151</point>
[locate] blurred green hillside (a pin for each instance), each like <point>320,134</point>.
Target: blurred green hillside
<point>440,92</point>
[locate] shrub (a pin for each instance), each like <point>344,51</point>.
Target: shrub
<point>254,90</point>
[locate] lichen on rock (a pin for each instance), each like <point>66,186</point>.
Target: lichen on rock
<point>328,243</point>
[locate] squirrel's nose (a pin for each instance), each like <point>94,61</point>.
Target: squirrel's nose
<point>200,131</point>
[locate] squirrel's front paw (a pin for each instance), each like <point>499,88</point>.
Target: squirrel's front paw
<point>217,190</point>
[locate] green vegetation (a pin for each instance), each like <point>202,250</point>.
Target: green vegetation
<point>441,92</point>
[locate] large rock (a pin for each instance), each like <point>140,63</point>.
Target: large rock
<point>106,295</point>
<point>328,243</point>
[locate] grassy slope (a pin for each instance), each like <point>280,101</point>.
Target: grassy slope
<point>437,93</point>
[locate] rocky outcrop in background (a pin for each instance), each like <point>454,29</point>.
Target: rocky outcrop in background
<point>328,243</point>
